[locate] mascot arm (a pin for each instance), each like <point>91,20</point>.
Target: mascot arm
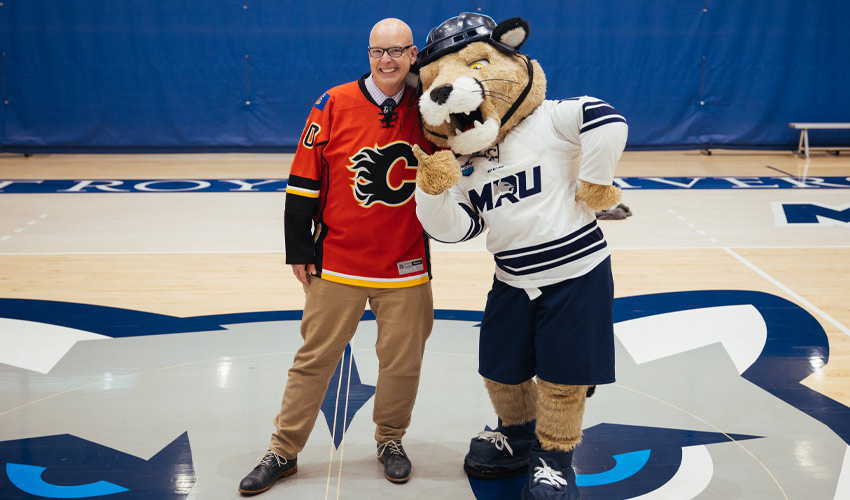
<point>445,218</point>
<point>441,210</point>
<point>600,131</point>
<point>601,150</point>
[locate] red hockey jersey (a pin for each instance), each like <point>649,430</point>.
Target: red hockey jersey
<point>349,199</point>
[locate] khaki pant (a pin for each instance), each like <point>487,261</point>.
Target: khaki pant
<point>332,312</point>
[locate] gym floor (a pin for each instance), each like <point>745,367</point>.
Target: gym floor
<point>147,323</point>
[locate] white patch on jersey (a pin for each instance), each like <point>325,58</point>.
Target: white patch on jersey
<point>410,266</point>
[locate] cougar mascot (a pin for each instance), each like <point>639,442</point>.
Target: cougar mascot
<point>532,172</point>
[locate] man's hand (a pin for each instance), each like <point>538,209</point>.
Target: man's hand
<point>303,272</point>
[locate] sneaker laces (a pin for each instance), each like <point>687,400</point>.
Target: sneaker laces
<point>548,475</point>
<point>394,447</point>
<point>266,459</point>
<point>499,440</point>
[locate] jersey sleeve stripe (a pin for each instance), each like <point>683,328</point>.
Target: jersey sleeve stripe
<point>602,121</point>
<point>303,183</point>
<point>302,192</point>
<point>476,227</point>
<point>594,112</point>
<point>587,104</point>
<point>302,186</point>
<point>597,113</point>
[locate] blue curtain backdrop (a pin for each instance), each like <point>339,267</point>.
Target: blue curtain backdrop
<point>229,75</point>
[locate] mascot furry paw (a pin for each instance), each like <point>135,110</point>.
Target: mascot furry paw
<point>533,172</point>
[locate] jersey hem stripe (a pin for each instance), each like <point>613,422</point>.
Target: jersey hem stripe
<point>417,280</point>
<point>570,238</point>
<point>545,266</point>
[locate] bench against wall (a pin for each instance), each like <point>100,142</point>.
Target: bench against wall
<point>803,145</point>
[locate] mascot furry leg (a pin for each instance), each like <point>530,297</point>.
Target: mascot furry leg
<point>536,420</point>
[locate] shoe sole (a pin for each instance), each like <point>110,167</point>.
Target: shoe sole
<point>489,476</point>
<point>257,492</point>
<point>399,480</point>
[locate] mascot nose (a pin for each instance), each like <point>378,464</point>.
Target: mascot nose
<point>441,94</point>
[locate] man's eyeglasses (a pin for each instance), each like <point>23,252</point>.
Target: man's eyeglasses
<point>394,52</point>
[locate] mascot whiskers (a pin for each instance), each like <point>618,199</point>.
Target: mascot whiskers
<point>531,172</point>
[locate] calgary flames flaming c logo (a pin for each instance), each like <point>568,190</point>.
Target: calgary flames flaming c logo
<point>372,168</point>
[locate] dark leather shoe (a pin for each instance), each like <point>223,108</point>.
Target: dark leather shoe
<point>271,468</point>
<point>396,464</point>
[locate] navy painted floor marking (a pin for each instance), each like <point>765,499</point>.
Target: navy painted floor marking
<point>65,466</point>
<point>344,396</point>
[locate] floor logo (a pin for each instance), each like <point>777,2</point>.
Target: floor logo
<point>810,214</point>
<point>737,387</point>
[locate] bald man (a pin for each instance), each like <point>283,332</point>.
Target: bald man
<point>352,238</point>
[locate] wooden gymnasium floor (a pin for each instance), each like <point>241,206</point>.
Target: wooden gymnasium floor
<point>145,338</point>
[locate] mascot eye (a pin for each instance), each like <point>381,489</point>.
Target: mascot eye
<point>479,64</point>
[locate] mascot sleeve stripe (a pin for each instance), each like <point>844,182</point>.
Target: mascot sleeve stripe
<point>602,121</point>
<point>592,104</point>
<point>476,227</point>
<point>598,113</point>
<point>591,113</point>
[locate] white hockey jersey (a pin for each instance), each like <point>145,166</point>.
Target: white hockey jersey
<point>523,192</point>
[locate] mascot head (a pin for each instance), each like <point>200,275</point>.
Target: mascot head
<point>476,85</point>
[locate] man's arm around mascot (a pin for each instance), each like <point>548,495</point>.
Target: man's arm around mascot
<point>532,171</point>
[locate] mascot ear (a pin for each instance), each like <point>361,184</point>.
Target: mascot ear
<point>512,33</point>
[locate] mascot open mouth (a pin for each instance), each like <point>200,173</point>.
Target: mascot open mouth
<point>472,136</point>
<point>466,121</point>
<point>459,114</point>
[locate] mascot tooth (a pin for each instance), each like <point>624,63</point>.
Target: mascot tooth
<point>533,172</point>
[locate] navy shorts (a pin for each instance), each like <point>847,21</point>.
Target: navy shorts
<point>564,336</point>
